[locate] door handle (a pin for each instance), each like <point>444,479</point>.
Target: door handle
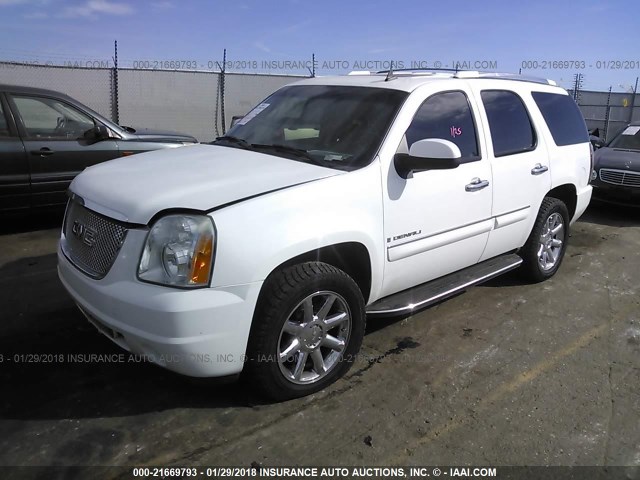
<point>476,184</point>
<point>43,152</point>
<point>538,169</point>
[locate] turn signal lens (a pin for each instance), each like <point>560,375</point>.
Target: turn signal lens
<point>201,267</point>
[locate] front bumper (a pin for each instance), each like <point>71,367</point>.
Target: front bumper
<point>616,194</point>
<point>200,333</point>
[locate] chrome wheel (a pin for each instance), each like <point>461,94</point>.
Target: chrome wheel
<point>313,337</point>
<point>551,242</point>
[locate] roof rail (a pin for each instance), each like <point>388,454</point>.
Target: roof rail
<point>515,76</point>
<point>466,74</point>
<point>417,70</point>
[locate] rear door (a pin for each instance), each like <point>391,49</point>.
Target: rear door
<point>14,167</point>
<point>520,165</point>
<point>52,132</point>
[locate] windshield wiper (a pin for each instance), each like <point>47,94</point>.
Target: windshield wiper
<point>233,140</point>
<point>277,148</point>
<point>298,152</point>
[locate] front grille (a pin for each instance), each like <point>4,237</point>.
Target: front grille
<point>91,241</point>
<point>620,177</point>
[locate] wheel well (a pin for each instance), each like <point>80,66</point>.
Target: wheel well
<point>351,257</point>
<point>568,195</point>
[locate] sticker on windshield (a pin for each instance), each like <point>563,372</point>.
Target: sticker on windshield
<point>631,130</point>
<point>252,113</point>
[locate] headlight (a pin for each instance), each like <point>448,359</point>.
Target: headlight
<point>179,251</point>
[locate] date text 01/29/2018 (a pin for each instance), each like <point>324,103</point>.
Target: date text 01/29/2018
<point>580,64</point>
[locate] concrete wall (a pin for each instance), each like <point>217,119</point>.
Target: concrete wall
<point>89,86</point>
<point>594,106</point>
<point>186,101</point>
<point>183,101</point>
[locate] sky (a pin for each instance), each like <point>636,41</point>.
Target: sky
<point>549,39</point>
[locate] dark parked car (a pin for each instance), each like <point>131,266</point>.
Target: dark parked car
<point>47,138</point>
<point>616,177</point>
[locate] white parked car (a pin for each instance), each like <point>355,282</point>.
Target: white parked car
<point>334,200</point>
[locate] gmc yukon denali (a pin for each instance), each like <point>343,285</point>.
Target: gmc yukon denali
<point>333,201</point>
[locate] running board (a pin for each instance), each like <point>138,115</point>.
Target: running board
<point>432,292</point>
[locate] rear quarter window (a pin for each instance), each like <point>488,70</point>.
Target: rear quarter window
<point>563,117</point>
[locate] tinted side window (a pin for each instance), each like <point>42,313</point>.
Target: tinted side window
<point>4,127</point>
<point>447,116</point>
<point>563,117</point>
<point>509,122</point>
<point>48,118</point>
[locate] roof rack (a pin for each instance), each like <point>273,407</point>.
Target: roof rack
<point>418,70</point>
<point>514,76</point>
<point>466,74</point>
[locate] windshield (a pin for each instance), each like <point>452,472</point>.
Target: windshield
<point>628,139</point>
<point>333,126</point>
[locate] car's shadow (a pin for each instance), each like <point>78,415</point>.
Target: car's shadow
<point>48,372</point>
<point>46,368</point>
<point>44,220</point>
<point>611,215</point>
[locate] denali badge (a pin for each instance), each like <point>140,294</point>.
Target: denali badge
<point>84,233</point>
<point>404,235</point>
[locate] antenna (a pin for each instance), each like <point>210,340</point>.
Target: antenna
<point>390,73</point>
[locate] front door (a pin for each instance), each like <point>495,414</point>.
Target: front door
<point>52,132</point>
<point>438,221</point>
<point>14,168</point>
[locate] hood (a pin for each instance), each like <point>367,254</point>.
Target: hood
<point>620,159</point>
<point>200,177</point>
<point>159,135</point>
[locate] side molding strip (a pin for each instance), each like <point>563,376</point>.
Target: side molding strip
<point>408,249</point>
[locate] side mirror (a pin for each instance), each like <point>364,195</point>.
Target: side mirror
<point>96,134</point>
<point>235,119</point>
<point>596,142</point>
<point>428,154</point>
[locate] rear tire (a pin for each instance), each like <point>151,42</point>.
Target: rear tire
<point>547,243</point>
<point>306,331</point>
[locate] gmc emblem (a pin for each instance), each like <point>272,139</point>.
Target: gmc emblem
<point>87,235</point>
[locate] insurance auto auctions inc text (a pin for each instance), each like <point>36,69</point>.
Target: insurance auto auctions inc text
<point>350,472</point>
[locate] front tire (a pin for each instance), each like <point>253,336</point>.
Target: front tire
<point>306,331</point>
<point>547,243</point>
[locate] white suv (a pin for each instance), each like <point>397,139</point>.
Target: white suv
<point>334,200</point>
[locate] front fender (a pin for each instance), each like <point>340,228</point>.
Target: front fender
<point>257,235</point>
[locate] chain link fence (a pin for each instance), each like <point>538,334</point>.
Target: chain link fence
<point>609,112</point>
<point>91,86</point>
<point>184,101</point>
<point>192,101</point>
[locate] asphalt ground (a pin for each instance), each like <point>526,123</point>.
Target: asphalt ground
<point>507,373</point>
